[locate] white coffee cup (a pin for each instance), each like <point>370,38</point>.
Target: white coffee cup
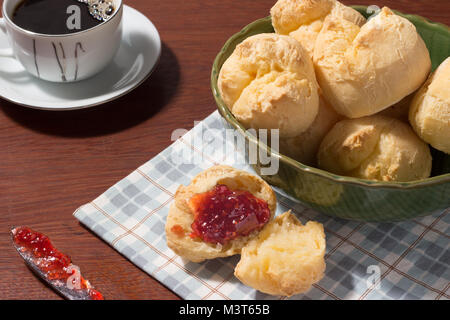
<point>62,58</point>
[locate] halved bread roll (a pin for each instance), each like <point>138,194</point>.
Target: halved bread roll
<point>430,110</point>
<point>269,83</point>
<point>285,259</point>
<point>181,216</point>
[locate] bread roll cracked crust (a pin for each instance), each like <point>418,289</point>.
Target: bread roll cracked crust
<point>375,148</point>
<point>430,110</point>
<point>180,218</point>
<point>303,19</point>
<point>286,258</point>
<point>269,83</point>
<point>364,70</point>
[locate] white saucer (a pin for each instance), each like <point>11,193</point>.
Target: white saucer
<point>136,59</point>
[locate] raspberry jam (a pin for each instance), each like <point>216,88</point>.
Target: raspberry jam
<point>178,230</point>
<point>95,295</point>
<point>48,258</point>
<point>53,263</point>
<point>221,215</point>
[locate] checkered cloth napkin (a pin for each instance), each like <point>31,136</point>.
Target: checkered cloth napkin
<point>408,260</point>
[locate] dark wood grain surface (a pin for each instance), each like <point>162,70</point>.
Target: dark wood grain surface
<point>53,162</point>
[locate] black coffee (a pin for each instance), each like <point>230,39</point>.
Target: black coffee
<point>52,17</point>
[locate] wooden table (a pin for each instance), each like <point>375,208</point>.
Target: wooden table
<point>53,162</point>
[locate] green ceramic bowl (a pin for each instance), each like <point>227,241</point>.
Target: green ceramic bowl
<point>345,197</point>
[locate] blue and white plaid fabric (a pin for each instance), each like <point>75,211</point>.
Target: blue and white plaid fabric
<point>408,260</point>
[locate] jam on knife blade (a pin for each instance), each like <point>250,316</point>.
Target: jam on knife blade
<point>51,265</point>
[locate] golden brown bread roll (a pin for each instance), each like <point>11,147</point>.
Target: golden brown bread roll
<point>303,19</point>
<point>304,147</point>
<point>269,83</point>
<point>430,110</point>
<point>181,216</point>
<point>375,148</point>
<point>364,70</point>
<point>286,258</point>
